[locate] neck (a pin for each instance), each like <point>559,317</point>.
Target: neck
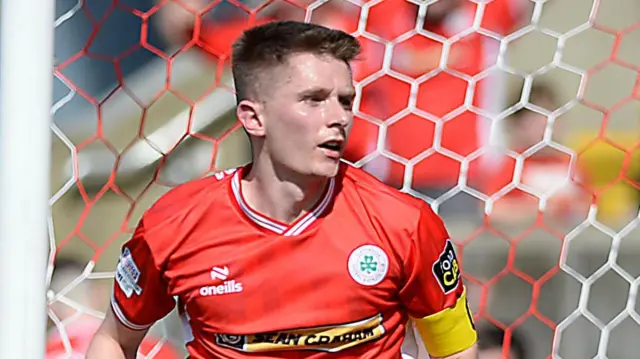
<point>279,193</point>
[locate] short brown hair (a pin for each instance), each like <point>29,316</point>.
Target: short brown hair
<point>271,44</point>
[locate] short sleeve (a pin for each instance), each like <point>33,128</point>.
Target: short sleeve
<point>140,294</point>
<point>433,292</point>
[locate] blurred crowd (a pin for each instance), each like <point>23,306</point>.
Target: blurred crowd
<point>437,124</point>
<point>444,131</point>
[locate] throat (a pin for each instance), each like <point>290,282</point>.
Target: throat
<point>283,201</point>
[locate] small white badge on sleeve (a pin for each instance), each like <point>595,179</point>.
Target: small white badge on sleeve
<point>128,274</point>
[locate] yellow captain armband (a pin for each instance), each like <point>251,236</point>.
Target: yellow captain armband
<point>450,331</point>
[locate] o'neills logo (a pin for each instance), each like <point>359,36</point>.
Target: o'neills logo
<point>225,288</point>
<point>326,338</point>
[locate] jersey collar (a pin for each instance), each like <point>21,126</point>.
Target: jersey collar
<point>274,225</point>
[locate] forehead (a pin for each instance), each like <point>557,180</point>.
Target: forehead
<point>306,70</point>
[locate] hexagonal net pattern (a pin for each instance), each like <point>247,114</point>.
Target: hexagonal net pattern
<point>537,191</point>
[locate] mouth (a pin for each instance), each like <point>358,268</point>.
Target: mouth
<point>332,148</point>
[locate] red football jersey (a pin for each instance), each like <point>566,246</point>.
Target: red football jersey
<point>343,278</point>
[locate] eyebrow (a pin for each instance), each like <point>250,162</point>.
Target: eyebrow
<point>314,91</point>
<point>351,93</point>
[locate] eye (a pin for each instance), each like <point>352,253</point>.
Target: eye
<point>346,102</point>
<point>315,96</point>
<point>314,99</point>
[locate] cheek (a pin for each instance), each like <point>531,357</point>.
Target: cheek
<point>533,126</point>
<point>294,125</point>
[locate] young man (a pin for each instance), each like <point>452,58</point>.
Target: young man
<point>296,255</point>
<point>542,171</point>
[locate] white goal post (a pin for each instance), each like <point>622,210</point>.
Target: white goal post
<point>26,63</point>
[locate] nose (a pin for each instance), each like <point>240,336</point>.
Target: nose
<point>340,116</point>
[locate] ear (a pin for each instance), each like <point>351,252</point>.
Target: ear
<point>250,116</point>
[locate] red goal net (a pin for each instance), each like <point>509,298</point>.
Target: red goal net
<point>517,120</point>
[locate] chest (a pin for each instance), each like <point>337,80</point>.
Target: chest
<point>247,280</point>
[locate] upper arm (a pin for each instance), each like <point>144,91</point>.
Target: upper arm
<point>140,292</point>
<point>433,292</point>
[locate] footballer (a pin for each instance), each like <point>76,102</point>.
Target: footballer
<point>297,254</point>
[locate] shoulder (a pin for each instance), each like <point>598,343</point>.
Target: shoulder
<point>165,223</point>
<point>399,222</point>
<point>190,195</point>
<point>391,206</point>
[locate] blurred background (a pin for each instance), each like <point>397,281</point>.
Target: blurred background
<point>518,120</point>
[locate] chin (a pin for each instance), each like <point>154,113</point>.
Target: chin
<point>327,170</point>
